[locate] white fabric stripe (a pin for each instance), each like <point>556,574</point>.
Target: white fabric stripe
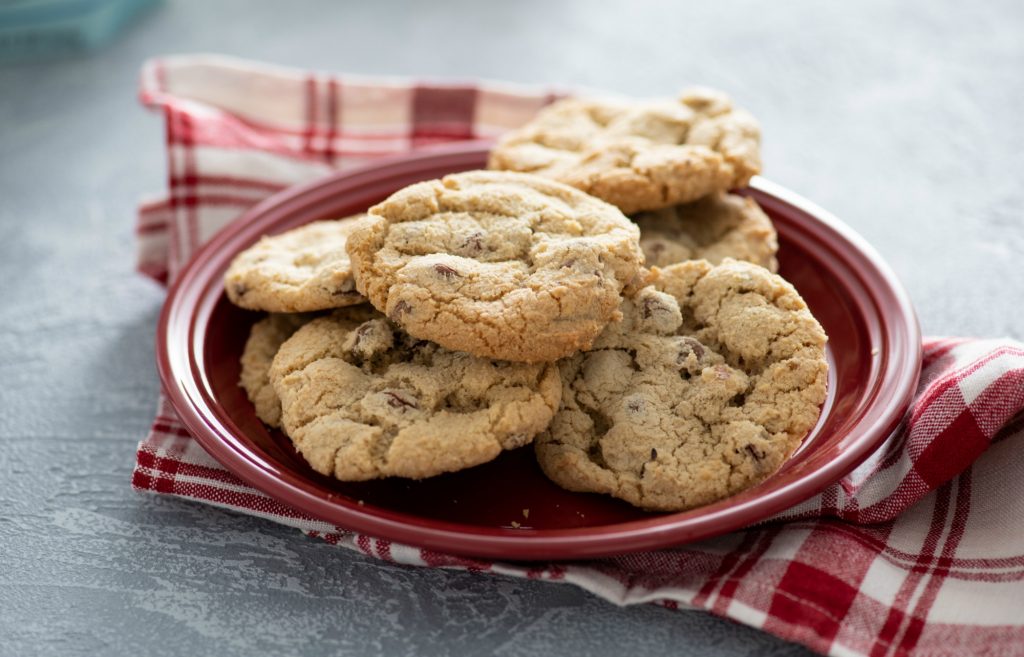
<point>966,353</point>
<point>200,480</point>
<point>746,614</point>
<point>261,165</point>
<point>976,382</point>
<point>224,189</point>
<point>839,650</point>
<point>407,555</point>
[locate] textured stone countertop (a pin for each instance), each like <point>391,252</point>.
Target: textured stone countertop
<point>901,118</point>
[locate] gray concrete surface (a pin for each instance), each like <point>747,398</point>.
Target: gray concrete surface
<point>902,118</point>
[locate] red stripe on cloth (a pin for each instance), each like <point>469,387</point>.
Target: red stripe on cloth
<point>171,429</point>
<point>747,563</point>
<point>161,464</point>
<point>333,119</point>
<point>150,228</point>
<point>213,475</point>
<point>228,132</point>
<point>189,173</point>
<point>894,621</point>
<point>384,550</point>
<point>941,568</point>
<point>443,113</point>
<point>728,562</point>
<point>144,482</point>
<point>952,450</point>
<point>312,100</point>
<point>811,597</point>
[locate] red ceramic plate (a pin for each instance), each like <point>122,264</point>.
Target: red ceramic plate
<point>874,353</point>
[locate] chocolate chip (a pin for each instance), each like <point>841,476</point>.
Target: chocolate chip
<point>635,405</point>
<point>690,346</point>
<point>364,329</point>
<point>240,289</point>
<point>651,306</point>
<point>446,272</point>
<point>657,247</point>
<point>401,308</point>
<point>654,453</point>
<point>754,452</point>
<point>697,347</point>
<point>474,243</point>
<point>568,263</point>
<point>395,400</point>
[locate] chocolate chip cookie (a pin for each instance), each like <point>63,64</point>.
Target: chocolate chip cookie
<point>371,401</point>
<point>716,227</point>
<point>638,155</point>
<point>497,264</point>
<point>265,338</point>
<point>708,384</point>
<point>301,270</point>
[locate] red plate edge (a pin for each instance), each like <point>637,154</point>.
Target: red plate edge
<point>180,374</point>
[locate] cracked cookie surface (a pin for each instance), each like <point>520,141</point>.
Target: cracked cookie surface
<point>708,384</point>
<point>304,269</point>
<point>638,155</point>
<point>265,338</point>
<point>497,264</point>
<point>716,227</point>
<point>371,401</point>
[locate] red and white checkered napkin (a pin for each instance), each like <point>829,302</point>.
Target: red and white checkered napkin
<point>918,551</point>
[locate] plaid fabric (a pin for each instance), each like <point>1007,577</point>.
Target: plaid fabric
<point>929,531</point>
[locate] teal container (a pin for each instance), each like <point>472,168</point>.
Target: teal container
<point>39,29</point>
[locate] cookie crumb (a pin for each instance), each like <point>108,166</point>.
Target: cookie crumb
<point>526,513</point>
<point>875,351</point>
<point>515,525</point>
<point>360,502</point>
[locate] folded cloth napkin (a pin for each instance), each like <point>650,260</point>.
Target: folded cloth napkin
<point>930,528</point>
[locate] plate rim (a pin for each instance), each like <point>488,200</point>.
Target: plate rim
<point>658,531</point>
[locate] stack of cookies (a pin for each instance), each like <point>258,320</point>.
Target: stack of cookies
<point>656,357</point>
